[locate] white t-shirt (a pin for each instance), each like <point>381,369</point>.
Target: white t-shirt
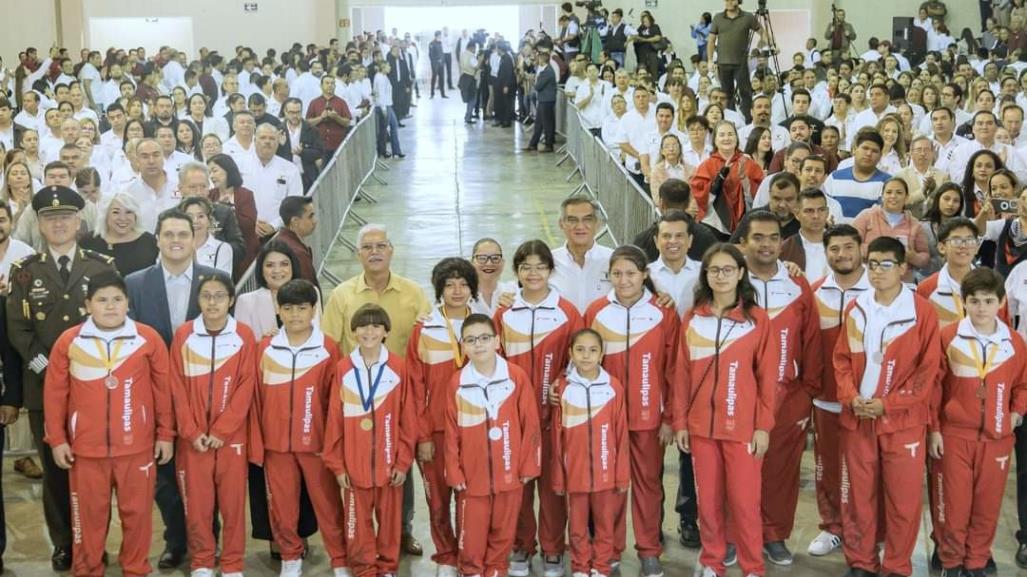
<point>816,259</point>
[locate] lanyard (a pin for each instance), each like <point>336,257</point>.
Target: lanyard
<point>983,368</point>
<point>458,357</point>
<point>368,401</point>
<point>108,362</point>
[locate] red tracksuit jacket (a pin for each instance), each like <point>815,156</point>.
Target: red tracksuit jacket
<point>291,399</point>
<point>726,374</point>
<point>212,379</point>
<point>795,328</point>
<point>640,343</point>
<point>492,430</point>
<point>831,303</point>
<point>431,361</point>
<point>536,338</point>
<point>590,435</point>
<point>909,368</point>
<point>371,430</point>
<point>963,412</point>
<point>944,294</point>
<point>99,420</point>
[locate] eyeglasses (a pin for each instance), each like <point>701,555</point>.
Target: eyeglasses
<point>721,271</point>
<point>214,297</point>
<point>527,268</point>
<point>883,265</point>
<point>964,241</point>
<point>488,258</point>
<point>376,247</point>
<point>483,339</point>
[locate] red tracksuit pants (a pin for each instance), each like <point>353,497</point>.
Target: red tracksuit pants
<point>646,496</point>
<point>975,481</point>
<point>284,473</point>
<point>591,550</point>
<point>214,479</point>
<point>552,511</point>
<point>782,462</point>
<point>133,478</point>
<point>828,470</point>
<point>486,544</point>
<point>727,484</point>
<point>882,468</point>
<point>364,509</point>
<point>935,498</point>
<point>439,496</point>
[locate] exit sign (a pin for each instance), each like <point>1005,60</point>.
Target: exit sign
<point>651,3</point>
<point>249,7</point>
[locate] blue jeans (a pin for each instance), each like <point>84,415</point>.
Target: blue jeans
<point>388,128</point>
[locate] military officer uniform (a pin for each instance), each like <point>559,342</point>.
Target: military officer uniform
<point>44,302</point>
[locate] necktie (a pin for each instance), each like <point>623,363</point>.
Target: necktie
<point>65,270</point>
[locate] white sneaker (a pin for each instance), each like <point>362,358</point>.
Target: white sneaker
<point>520,564</point>
<point>581,574</point>
<point>709,572</point>
<point>446,571</point>
<point>232,574</point>
<point>342,572</point>
<point>824,543</point>
<point>292,568</point>
<point>553,566</point>
<point>202,572</point>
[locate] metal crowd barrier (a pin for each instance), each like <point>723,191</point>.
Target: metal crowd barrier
<point>627,209</point>
<point>339,185</point>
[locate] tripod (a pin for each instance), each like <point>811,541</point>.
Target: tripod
<point>770,45</point>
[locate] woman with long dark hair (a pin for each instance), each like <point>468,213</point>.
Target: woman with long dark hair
<point>977,178</point>
<point>946,204</point>
<point>724,405</point>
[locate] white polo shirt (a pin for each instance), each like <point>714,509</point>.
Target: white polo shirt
<point>271,183</point>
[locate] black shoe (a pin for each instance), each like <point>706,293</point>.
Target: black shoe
<point>170,559</point>
<point>400,155</point>
<point>61,559</point>
<point>546,149</point>
<point>731,556</point>
<point>1021,556</point>
<point>990,568</point>
<point>386,155</point>
<point>275,553</point>
<point>689,535</point>
<point>103,560</point>
<point>854,572</point>
<point>444,96</point>
<point>470,121</point>
<point>935,561</point>
<point>401,125</point>
<point>953,572</point>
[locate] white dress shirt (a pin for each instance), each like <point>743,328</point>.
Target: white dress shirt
<point>271,183</point>
<point>215,254</point>
<point>582,284</point>
<point>153,202</point>
<point>679,285</point>
<point>178,289</point>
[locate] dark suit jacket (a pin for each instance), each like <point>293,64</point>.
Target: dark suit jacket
<point>229,231</point>
<point>507,76</point>
<point>545,84</point>
<point>147,286</point>
<point>246,214</point>
<point>313,149</point>
<point>399,72</point>
<point>12,389</point>
<point>435,52</point>
<point>792,251</point>
<point>303,253</point>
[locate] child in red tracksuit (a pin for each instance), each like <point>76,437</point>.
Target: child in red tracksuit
<point>369,443</point>
<point>295,374</point>
<point>493,446</point>
<point>108,419</point>
<point>433,356</point>
<point>724,406</point>
<point>590,453</point>
<point>640,341</point>
<point>886,362</point>
<point>983,397</point>
<point>534,333</point>
<point>212,377</point>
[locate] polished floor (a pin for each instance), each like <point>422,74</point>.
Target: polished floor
<point>458,184</point>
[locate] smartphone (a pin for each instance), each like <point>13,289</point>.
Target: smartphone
<point>1004,205</point>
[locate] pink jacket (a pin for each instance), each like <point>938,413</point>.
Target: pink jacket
<point>872,223</point>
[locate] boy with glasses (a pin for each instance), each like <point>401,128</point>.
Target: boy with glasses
<point>492,446</point>
<point>886,364</point>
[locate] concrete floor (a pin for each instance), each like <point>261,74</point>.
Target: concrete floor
<point>457,184</point>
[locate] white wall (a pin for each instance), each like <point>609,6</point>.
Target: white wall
<point>223,24</point>
<point>34,25</point>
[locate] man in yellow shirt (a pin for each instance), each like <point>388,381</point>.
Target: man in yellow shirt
<point>402,298</point>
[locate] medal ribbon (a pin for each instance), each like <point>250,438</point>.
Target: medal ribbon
<point>368,401</point>
<point>458,357</point>
<point>108,362</point>
<point>983,368</point>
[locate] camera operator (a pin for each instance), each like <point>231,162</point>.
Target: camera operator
<point>839,33</point>
<point>569,39</point>
<point>729,38</point>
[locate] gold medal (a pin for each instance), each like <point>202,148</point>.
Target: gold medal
<point>111,382</point>
<point>366,424</point>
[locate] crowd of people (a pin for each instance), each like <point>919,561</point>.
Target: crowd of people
<point>839,251</point>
